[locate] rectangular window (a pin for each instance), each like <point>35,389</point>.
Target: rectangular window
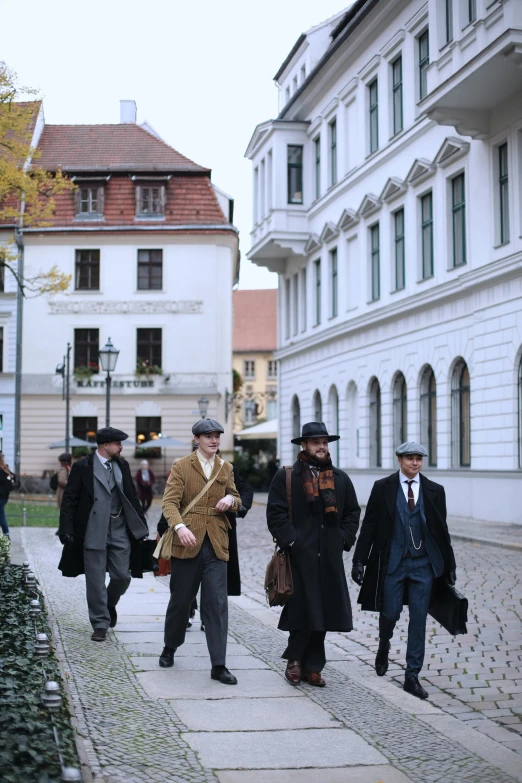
<point>287,309</point>
<point>85,427</point>
<point>472,10</point>
<point>400,273</point>
<point>249,412</point>
<point>375,262</point>
<point>317,148</point>
<point>295,304</point>
<point>294,84</point>
<point>424,61</point>
<point>397,95</point>
<point>150,270</point>
<point>303,300</point>
<point>148,348</point>
<point>147,428</point>
<point>249,369</point>
<point>317,266</point>
<point>427,235</point>
<point>373,102</point>
<point>150,200</point>
<point>449,20</point>
<point>295,174</point>
<point>272,368</point>
<point>2,279</point>
<point>86,348</point>
<point>1,354</point>
<point>503,190</point>
<point>303,73</point>
<point>87,270</point>
<point>271,404</point>
<point>89,201</point>
<point>334,282</point>
<point>333,152</point>
<point>458,201</point>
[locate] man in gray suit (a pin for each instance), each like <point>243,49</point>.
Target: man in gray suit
<point>100,508</point>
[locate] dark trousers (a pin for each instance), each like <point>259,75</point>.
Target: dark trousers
<point>413,576</point>
<point>3,519</point>
<point>307,647</point>
<point>114,559</point>
<point>145,504</point>
<point>187,575</point>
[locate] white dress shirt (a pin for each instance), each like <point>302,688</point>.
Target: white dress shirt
<point>415,486</point>
<point>103,460</point>
<point>206,464</point>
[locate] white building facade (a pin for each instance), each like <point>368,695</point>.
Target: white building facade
<point>387,198</point>
<point>153,256</point>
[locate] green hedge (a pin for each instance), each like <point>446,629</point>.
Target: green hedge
<point>27,748</point>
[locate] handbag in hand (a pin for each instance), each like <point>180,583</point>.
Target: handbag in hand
<point>279,584</point>
<point>449,608</point>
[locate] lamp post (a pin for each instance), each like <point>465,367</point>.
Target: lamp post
<point>203,404</point>
<point>64,370</point>
<point>108,357</point>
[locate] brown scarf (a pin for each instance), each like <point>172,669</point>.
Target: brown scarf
<point>320,486</point>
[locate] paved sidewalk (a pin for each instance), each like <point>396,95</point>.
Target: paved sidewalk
<point>140,723</point>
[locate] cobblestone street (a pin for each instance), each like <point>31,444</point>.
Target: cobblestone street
<point>140,723</point>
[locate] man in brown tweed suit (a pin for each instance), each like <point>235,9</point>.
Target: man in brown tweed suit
<point>200,546</point>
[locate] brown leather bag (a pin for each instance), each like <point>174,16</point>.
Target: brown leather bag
<point>279,585</point>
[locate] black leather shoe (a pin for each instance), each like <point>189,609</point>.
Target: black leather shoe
<point>222,674</point>
<point>113,615</point>
<point>166,659</point>
<point>99,635</point>
<point>381,659</point>
<point>202,628</point>
<point>413,686</point>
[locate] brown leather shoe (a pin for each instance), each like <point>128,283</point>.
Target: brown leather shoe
<point>293,672</point>
<point>314,678</point>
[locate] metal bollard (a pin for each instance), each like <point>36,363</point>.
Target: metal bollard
<point>24,517</point>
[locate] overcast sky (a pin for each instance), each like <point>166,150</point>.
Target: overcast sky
<point>201,74</point>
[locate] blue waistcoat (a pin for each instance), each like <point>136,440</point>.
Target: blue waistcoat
<point>401,541</point>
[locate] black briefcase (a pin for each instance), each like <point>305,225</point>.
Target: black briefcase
<point>449,608</point>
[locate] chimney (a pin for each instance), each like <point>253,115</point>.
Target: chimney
<point>128,112</point>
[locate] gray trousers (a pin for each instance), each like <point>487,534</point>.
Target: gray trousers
<point>186,576</point>
<point>115,559</point>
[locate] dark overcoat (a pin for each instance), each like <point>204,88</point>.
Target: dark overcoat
<point>77,502</point>
<point>373,544</point>
<point>247,497</point>
<point>320,601</point>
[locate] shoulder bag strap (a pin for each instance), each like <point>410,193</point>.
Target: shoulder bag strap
<point>203,492</point>
<point>289,491</point>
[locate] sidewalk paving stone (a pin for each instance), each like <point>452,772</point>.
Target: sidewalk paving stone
<point>173,684</point>
<point>372,774</point>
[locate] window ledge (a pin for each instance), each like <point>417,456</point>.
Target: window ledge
<point>150,291</point>
<point>398,290</point>
<point>155,218</point>
<point>425,279</point>
<point>501,244</point>
<point>88,218</point>
<point>457,266</point>
<point>88,291</point>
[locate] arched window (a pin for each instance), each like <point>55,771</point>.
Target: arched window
<point>333,424</point>
<point>428,414</point>
<point>318,406</point>
<point>460,416</point>
<point>520,414</point>
<point>375,424</point>
<point>352,424</point>
<point>400,411</point>
<point>296,420</point>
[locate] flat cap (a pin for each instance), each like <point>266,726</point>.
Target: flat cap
<point>411,447</point>
<point>204,426</point>
<point>110,435</point>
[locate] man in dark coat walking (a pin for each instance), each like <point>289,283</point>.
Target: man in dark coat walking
<point>324,521</point>
<point>100,516</point>
<point>247,497</point>
<point>405,545</point>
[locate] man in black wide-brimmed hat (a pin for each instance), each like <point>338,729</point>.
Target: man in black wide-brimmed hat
<point>323,523</point>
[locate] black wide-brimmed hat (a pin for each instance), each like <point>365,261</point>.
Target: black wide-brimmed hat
<point>314,429</point>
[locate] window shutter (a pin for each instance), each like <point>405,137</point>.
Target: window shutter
<point>138,199</point>
<point>163,199</point>
<point>77,197</point>
<point>101,200</point>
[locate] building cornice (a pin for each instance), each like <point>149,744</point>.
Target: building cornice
<point>465,283</point>
<point>105,229</point>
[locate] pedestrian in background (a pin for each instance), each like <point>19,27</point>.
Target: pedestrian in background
<point>145,479</point>
<point>65,461</point>
<point>323,524</point>
<point>6,485</point>
<point>404,544</point>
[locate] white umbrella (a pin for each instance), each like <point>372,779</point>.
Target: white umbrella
<point>163,440</point>
<point>73,443</point>
<point>264,431</point>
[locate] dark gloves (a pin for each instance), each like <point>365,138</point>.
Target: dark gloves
<point>241,512</point>
<point>357,572</point>
<point>66,538</point>
<point>451,578</point>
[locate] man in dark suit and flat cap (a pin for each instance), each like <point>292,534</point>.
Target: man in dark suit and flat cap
<point>100,516</point>
<point>404,544</point>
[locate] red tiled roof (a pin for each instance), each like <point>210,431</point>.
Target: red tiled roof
<point>255,320</point>
<point>122,147</point>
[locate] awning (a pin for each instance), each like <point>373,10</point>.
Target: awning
<point>265,431</point>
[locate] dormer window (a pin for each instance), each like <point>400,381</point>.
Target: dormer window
<point>89,202</point>
<point>150,200</point>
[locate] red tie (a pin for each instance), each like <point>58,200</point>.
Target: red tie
<point>411,499</point>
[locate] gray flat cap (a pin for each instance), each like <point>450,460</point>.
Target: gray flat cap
<point>110,435</point>
<point>411,447</point>
<point>204,426</point>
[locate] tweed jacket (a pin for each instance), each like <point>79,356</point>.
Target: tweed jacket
<point>185,482</point>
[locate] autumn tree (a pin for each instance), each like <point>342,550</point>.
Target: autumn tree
<point>26,191</point>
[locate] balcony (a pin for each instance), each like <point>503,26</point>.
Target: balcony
<point>478,72</point>
<point>281,234</point>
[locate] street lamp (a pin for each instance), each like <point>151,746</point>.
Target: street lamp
<point>64,369</point>
<point>108,358</point>
<point>203,404</point>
